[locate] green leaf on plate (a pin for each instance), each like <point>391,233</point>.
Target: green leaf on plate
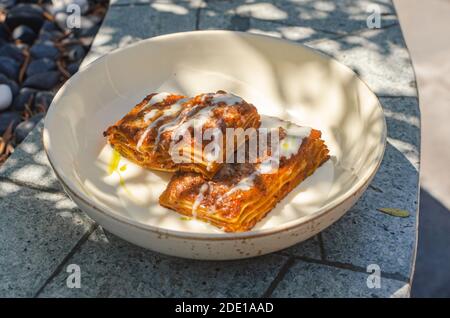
<point>395,212</point>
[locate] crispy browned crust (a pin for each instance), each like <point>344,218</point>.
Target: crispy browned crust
<point>152,152</point>
<point>241,210</point>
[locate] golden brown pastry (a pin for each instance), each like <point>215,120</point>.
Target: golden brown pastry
<point>150,132</point>
<point>241,194</point>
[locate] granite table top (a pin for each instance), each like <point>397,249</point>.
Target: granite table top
<point>42,231</point>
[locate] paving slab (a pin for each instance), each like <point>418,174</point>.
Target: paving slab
<point>332,17</point>
<point>315,280</point>
<point>141,22</point>
<point>38,229</point>
<point>217,16</point>
<point>166,5</point>
<point>310,248</point>
<point>379,56</point>
<point>367,236</point>
<point>112,267</point>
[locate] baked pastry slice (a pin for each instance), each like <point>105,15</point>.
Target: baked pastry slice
<point>241,194</point>
<point>161,131</point>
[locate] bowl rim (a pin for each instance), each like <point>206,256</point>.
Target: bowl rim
<point>362,183</point>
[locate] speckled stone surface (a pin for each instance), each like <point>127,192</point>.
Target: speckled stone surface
<point>306,279</point>
<point>312,248</point>
<point>323,17</point>
<point>111,267</point>
<point>364,235</point>
<point>378,56</point>
<point>42,232</point>
<point>38,229</point>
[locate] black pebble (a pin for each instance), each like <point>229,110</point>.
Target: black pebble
<point>40,66</point>
<point>45,49</point>
<point>49,26</point>
<point>45,36</point>
<point>28,14</point>
<point>6,4</point>
<point>4,34</point>
<point>75,52</point>
<point>9,67</point>
<point>72,68</point>
<point>12,84</point>
<point>44,81</point>
<point>24,34</point>
<point>25,96</point>
<point>12,51</point>
<point>6,118</point>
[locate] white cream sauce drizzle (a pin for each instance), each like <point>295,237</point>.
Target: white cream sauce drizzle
<point>288,147</point>
<point>199,198</point>
<point>150,114</point>
<point>158,98</point>
<point>173,124</point>
<point>196,121</point>
<point>243,185</point>
<point>295,134</point>
<point>155,99</point>
<point>172,110</point>
<point>181,125</point>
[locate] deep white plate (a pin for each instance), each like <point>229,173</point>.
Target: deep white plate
<point>280,78</point>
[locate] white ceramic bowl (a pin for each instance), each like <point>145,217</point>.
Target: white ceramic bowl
<point>281,78</point>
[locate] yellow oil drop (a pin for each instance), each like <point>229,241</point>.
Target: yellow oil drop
<point>114,167</point>
<point>285,145</point>
<point>115,159</point>
<point>121,181</point>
